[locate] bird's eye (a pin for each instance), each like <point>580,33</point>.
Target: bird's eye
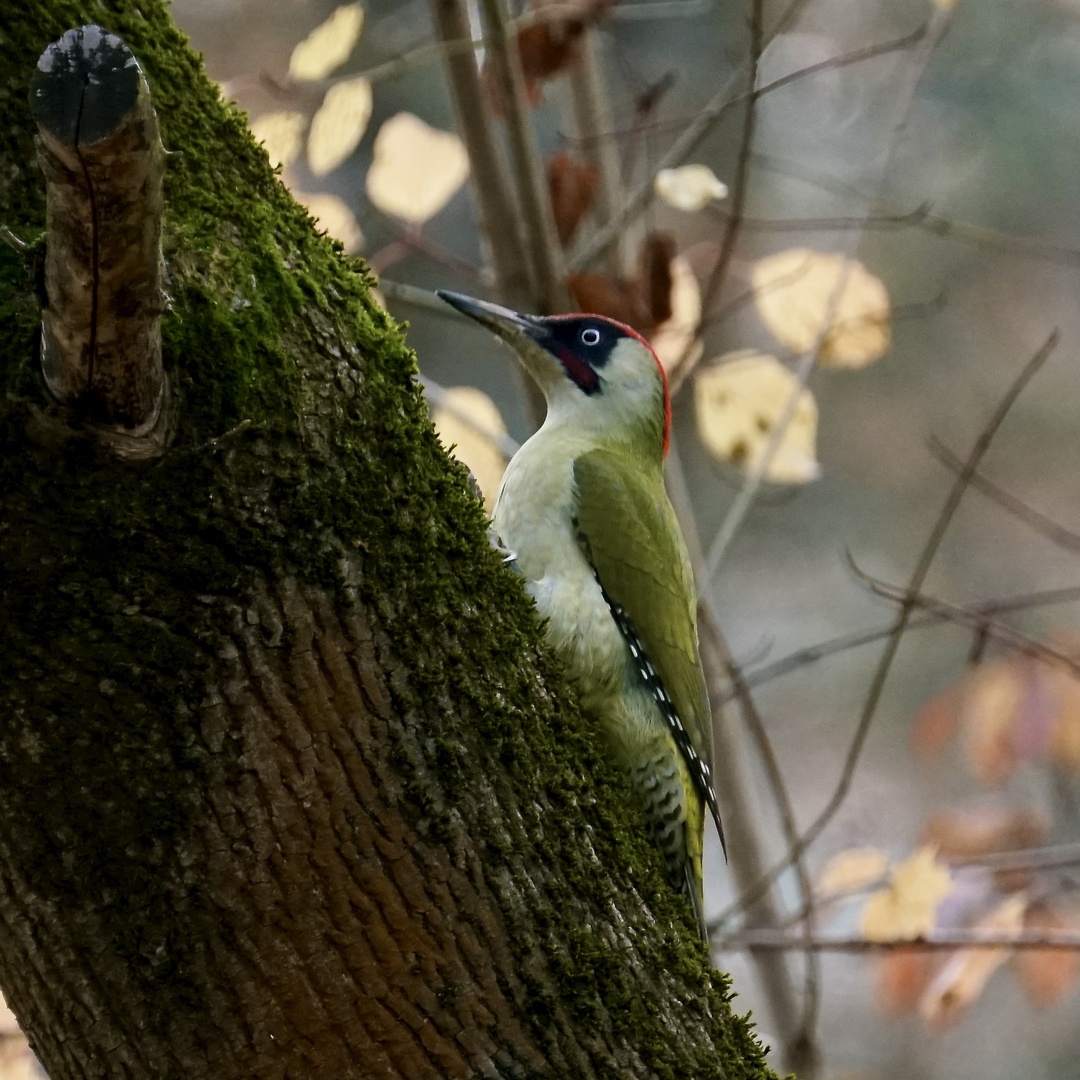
<point>590,336</point>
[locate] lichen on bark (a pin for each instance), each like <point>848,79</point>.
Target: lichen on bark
<point>283,764</point>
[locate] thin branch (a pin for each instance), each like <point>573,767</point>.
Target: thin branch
<point>986,627</point>
<point>1049,528</point>
<point>755,476</point>
<point>415,297</point>
<point>542,241</point>
<point>811,654</point>
<point>922,568</point>
<point>494,202</point>
<point>696,130</point>
<point>1052,857</point>
<point>592,117</point>
<point>943,940</point>
<point>740,188</point>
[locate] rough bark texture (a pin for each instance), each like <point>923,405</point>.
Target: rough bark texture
<point>287,787</point>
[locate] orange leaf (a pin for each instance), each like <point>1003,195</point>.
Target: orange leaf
<point>602,296</point>
<point>1047,975</point>
<point>901,976</point>
<point>936,723</point>
<point>572,185</point>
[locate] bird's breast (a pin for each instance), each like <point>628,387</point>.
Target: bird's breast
<point>534,517</point>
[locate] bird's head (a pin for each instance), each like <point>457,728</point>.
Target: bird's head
<point>597,374</point>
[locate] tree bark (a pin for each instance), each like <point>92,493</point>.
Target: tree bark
<point>288,786</point>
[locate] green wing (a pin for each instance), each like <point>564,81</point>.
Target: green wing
<point>630,535</point>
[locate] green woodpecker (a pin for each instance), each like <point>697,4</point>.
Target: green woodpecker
<point>583,509</point>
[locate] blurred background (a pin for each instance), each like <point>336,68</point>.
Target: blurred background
<point>949,170</point>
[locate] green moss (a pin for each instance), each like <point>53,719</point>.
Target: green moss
<point>107,644</point>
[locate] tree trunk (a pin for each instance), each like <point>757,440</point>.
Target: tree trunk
<point>288,786</point>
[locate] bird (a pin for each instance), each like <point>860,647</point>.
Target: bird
<point>583,511</point>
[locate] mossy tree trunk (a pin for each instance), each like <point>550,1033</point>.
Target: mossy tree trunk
<point>287,786</point>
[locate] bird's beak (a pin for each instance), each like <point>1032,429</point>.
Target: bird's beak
<point>513,328</point>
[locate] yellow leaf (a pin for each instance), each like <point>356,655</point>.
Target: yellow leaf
<point>333,215</point>
<point>738,403</point>
<point>328,46</point>
<point>990,708</point>
<point>417,168</point>
<point>797,290</point>
<point>282,135</point>
<point>468,420</point>
<point>689,187</point>
<point>339,125</point>
<point>906,908</point>
<point>672,337</point>
<point>852,870</point>
<point>962,979</point>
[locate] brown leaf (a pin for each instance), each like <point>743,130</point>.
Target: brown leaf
<point>993,699</point>
<point>936,723</point>
<point>572,184</point>
<point>979,832</point>
<point>600,295</point>
<point>1047,975</point>
<point>654,273</point>
<point>548,47</point>
<point>901,976</point>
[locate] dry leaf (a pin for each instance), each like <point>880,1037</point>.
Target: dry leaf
<point>993,696</point>
<point>470,422</point>
<point>795,291</point>
<point>967,971</point>
<point>906,908</point>
<point>901,977</point>
<point>328,46</point>
<point>1047,975</point>
<point>333,215</point>
<point>675,335</point>
<point>282,135</point>
<point>851,870</point>
<point>689,187</point>
<point>740,400</point>
<point>417,168</point>
<point>936,723</point>
<point>339,125</point>
<point>600,295</point>
<point>654,274</point>
<point>572,184</point>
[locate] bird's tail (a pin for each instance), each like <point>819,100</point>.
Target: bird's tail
<point>692,886</point>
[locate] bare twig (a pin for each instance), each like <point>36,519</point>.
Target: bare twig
<point>494,202</point>
<point>740,187</point>
<point>1049,528</point>
<point>1052,857</point>
<point>592,119</point>
<point>548,271</point>
<point>926,558</point>
<point>696,130</point>
<point>943,940</point>
<point>755,475</point>
<point>813,653</point>
<point>985,626</point>
<point>416,297</point>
